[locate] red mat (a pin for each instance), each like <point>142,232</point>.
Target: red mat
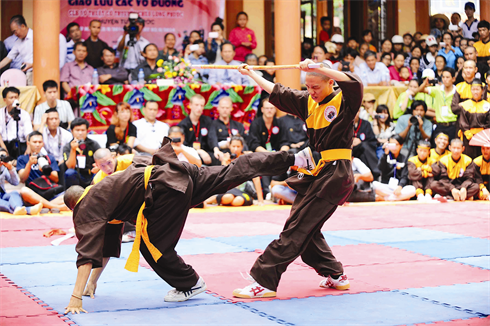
<point>16,303</point>
<point>34,320</point>
<point>477,230</point>
<point>56,221</point>
<point>29,239</point>
<point>277,217</point>
<point>189,235</point>
<point>460,322</point>
<point>237,229</point>
<point>22,224</point>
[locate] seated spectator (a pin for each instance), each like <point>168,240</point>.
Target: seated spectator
<point>193,36</point>
<point>428,60</point>
<point>399,62</point>
<point>296,132</point>
<point>470,55</point>
<point>455,174</point>
<point>269,74</point>
<point>363,191</point>
<point>483,45</point>
<point>11,202</point>
<point>15,123</point>
<point>3,55</point>
<point>111,73</point>
<point>359,60</point>
<point>213,44</point>
<point>405,76</point>
<point>169,48</point>
<point>196,129</point>
<point>439,66</point>
<point>386,58</point>
<point>306,48</point>
<point>54,137</point>
<point>223,128</point>
<point>407,42</point>
<point>263,60</point>
<point>227,76</point>
<point>150,131</point>
<point>386,47</point>
<point>242,195</point>
<point>367,37</point>
<point>397,41</point>
<point>413,127</point>
<point>95,45</point>
<point>130,55</point>
<point>319,55</point>
<point>338,40</point>
<point>413,93</point>
<point>242,38</point>
<point>441,141</point>
<point>78,155</point>
<point>326,23</point>
<point>373,73</point>
<point>73,33</point>
<point>78,72</point>
<point>149,66</point>
<point>347,61</point>
<point>394,173</point>
<point>367,111</point>
<point>459,65</point>
<point>463,88</point>
<point>449,52</point>
<point>383,128</point>
<point>184,153</point>
<point>482,172</point>
<point>40,174</point>
<point>420,171</point>
<point>197,58</point>
<point>364,144</point>
<point>64,109</point>
<point>121,130</point>
<point>252,60</point>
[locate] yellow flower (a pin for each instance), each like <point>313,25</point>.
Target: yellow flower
<point>166,67</point>
<point>104,89</point>
<point>237,88</point>
<point>160,63</point>
<point>174,74</point>
<point>151,87</point>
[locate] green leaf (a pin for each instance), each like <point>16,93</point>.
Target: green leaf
<point>163,88</point>
<point>235,98</point>
<point>248,89</point>
<point>211,98</point>
<point>98,117</point>
<point>128,96</point>
<point>183,109</point>
<point>82,100</point>
<point>170,96</point>
<point>117,89</point>
<point>103,100</point>
<point>249,106</point>
<point>189,92</point>
<point>205,88</point>
<point>150,96</point>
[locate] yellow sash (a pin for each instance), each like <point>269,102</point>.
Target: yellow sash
<point>329,156</point>
<point>141,232</point>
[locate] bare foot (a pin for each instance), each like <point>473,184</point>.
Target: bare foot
<point>462,194</point>
<point>455,193</point>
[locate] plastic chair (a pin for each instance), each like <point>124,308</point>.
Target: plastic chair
<point>13,77</point>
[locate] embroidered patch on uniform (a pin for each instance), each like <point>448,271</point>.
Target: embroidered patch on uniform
<point>234,131</point>
<point>461,172</point>
<point>362,137</point>
<point>330,113</point>
<point>204,131</point>
<point>220,130</point>
<point>304,127</point>
<point>90,153</point>
<point>275,130</point>
<point>486,107</point>
<point>301,175</point>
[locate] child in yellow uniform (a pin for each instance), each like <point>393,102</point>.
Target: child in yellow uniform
<point>420,171</point>
<point>483,172</point>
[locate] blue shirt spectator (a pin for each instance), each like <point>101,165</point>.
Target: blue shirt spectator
<point>449,52</point>
<point>227,76</point>
<point>35,170</point>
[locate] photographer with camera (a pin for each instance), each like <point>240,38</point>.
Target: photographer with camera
<point>79,155</point>
<point>15,123</point>
<point>413,127</point>
<point>184,153</point>
<point>131,44</point>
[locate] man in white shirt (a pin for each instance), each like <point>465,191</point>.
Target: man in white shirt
<point>75,34</point>
<point>64,109</point>
<point>150,131</point>
<point>227,76</point>
<point>55,137</point>
<point>131,55</point>
<point>9,44</point>
<point>14,133</point>
<point>184,153</point>
<point>373,73</point>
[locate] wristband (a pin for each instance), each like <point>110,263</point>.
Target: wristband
<point>75,296</point>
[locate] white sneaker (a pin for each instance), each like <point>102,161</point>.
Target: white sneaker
<point>179,296</point>
<point>254,290</point>
<point>421,197</point>
<point>342,283</point>
<point>128,236</point>
<point>304,159</point>
<point>428,197</point>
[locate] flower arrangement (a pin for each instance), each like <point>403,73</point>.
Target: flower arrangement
<point>174,68</point>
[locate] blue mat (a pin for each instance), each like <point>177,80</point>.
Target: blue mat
<point>447,248</point>
<point>119,296</point>
<point>482,261</point>
<point>393,234</point>
<point>220,314</point>
<point>472,296</point>
<point>34,275</point>
<point>383,308</point>
<point>38,254</point>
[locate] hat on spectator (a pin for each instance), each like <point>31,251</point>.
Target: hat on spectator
<point>431,40</point>
<point>439,16</point>
<point>469,5</point>
<point>397,39</point>
<point>331,48</point>
<point>337,38</point>
<point>424,37</point>
<point>428,73</point>
<point>368,97</point>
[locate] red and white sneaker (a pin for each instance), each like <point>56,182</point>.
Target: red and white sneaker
<point>254,290</point>
<point>342,283</point>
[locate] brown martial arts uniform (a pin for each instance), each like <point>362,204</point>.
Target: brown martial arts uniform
<point>449,174</point>
<point>172,189</point>
<point>435,156</point>
<point>482,171</point>
<point>330,131</point>
<point>418,174</point>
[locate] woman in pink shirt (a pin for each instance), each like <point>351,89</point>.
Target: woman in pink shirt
<point>399,62</point>
<point>242,38</point>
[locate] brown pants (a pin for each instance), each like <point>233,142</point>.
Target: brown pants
<point>444,188</point>
<point>301,236</point>
<point>168,213</point>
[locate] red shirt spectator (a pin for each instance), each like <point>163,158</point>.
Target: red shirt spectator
<point>242,38</point>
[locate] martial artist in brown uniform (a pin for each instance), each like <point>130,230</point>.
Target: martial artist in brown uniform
<point>420,171</point>
<point>329,115</point>
<point>482,170</point>
<point>160,195</point>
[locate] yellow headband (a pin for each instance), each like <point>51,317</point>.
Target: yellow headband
<point>423,146</point>
<point>443,135</point>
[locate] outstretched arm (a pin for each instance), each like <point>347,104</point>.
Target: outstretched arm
<point>94,277</point>
<point>75,305</point>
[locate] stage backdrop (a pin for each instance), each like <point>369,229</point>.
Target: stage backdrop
<point>161,16</point>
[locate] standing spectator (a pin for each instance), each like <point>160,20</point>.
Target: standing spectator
<point>213,45</point>
<point>306,48</point>
<point>439,24</point>
<point>78,72</point>
<point>399,62</point>
<point>23,46</point>
<point>406,99</point>
<point>412,132</point>
<point>149,66</point>
<point>169,48</point>
<point>397,41</point>
<point>470,26</point>
<point>9,44</point>
<point>439,66</point>
<point>15,123</point>
<point>456,19</point>
<point>324,36</point>
<point>3,55</point>
<point>483,45</point>
<point>367,37</point>
<point>383,127</point>
<point>471,54</point>
<point>121,130</point>
<point>197,57</point>
<point>75,35</point>
<point>150,131</point>
<point>386,46</point>
<point>227,76</point>
<point>55,138</point>
<point>111,73</point>
<point>130,50</point>
<point>242,38</point>
<point>64,109</point>
<point>463,89</point>
<point>95,45</point>
<point>449,52</point>
<point>428,60</point>
<point>373,73</point>
<point>79,155</point>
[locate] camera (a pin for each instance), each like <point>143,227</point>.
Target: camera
<point>433,82</point>
<point>44,165</point>
<point>133,29</point>
<point>176,140</point>
<point>232,156</point>
<point>4,157</point>
<point>345,65</point>
<point>82,145</point>
<point>113,148</point>
<point>15,112</point>
<point>379,116</point>
<point>194,47</point>
<point>414,119</point>
<point>213,35</point>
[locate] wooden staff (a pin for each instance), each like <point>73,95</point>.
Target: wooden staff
<point>281,67</point>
